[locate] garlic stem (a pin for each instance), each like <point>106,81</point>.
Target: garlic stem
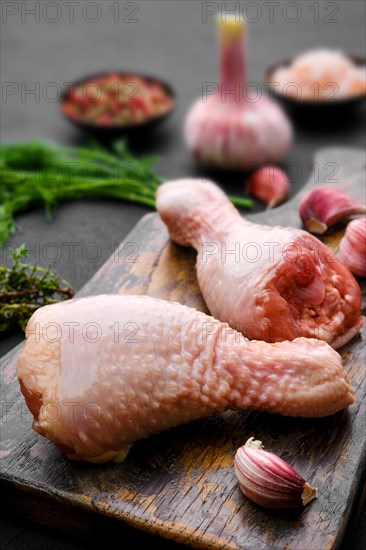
<point>231,30</point>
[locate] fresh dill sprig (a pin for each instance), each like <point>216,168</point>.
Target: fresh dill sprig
<point>39,173</point>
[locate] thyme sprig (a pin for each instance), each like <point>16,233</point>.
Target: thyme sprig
<point>24,288</point>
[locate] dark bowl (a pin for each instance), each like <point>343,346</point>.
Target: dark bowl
<point>115,130</point>
<point>324,106</point>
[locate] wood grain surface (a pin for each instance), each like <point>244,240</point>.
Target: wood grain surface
<point>180,485</point>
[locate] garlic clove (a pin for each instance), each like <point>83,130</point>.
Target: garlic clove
<point>268,480</point>
<point>325,206</point>
<point>269,184</point>
<point>352,247</point>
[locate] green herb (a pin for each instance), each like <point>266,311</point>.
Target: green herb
<point>38,173</point>
<point>25,288</point>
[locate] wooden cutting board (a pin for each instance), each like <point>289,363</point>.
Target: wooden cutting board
<point>180,485</point>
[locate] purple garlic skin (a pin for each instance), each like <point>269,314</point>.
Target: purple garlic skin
<point>237,136</point>
<point>233,128</point>
<point>268,480</point>
<point>352,248</point>
<point>325,206</point>
<point>269,184</point>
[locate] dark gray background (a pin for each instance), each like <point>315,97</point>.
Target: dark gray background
<point>171,40</point>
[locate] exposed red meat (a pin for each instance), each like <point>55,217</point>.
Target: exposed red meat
<point>270,283</point>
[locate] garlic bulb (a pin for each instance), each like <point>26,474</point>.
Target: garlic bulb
<point>269,184</point>
<point>233,128</point>
<point>325,206</point>
<point>352,247</point>
<point>268,480</point>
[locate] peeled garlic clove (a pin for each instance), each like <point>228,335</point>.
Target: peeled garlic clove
<point>268,480</point>
<point>325,206</point>
<point>269,184</point>
<point>352,247</point>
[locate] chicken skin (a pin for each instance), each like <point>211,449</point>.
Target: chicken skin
<point>102,372</point>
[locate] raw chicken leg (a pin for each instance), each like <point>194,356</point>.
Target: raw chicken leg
<point>270,283</point>
<point>102,372</point>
